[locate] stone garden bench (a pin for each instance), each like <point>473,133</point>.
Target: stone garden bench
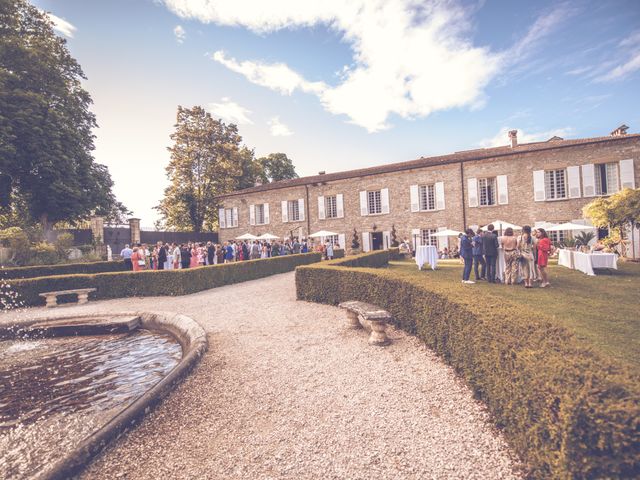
<point>372,316</point>
<point>52,297</point>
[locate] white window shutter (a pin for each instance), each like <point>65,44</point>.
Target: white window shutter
<point>386,240</point>
<point>321,215</point>
<point>439,195</point>
<point>340,205</point>
<point>416,236</point>
<point>342,240</point>
<point>573,181</point>
<point>266,213</point>
<point>415,198</point>
<point>442,241</point>
<point>221,219</point>
<point>235,216</point>
<point>503,190</point>
<point>539,194</point>
<point>472,187</point>
<point>252,214</point>
<point>384,199</point>
<point>627,174</point>
<point>588,180</point>
<point>365,242</point>
<point>301,209</point>
<point>285,211</point>
<point>364,207</point>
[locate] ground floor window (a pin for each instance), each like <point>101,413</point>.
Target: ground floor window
<point>427,236</point>
<point>557,237</point>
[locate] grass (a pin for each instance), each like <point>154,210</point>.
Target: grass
<point>602,311</point>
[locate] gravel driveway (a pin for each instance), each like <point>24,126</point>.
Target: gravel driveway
<point>286,391</point>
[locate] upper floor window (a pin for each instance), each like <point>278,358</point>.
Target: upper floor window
<point>228,217</point>
<point>260,216</point>
<point>427,197</point>
<point>331,206</point>
<point>606,178</point>
<point>293,209</point>
<point>374,199</point>
<point>555,184</point>
<point>487,190</point>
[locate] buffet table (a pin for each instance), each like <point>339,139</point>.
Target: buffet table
<point>427,254</point>
<point>586,262</point>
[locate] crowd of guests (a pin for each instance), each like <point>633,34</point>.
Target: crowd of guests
<point>171,256</point>
<point>526,256</point>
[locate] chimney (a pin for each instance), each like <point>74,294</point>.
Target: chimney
<point>621,130</point>
<point>321,172</point>
<point>513,136</point>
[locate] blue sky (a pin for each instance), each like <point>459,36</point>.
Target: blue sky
<point>344,84</point>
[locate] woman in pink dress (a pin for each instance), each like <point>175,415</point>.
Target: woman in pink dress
<point>194,256</point>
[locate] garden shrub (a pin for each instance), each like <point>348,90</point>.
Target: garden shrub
<point>62,269</point>
<point>159,282</point>
<point>565,410</point>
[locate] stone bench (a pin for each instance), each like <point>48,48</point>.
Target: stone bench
<point>52,297</point>
<point>372,316</point>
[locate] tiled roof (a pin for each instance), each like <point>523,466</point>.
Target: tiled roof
<point>463,156</point>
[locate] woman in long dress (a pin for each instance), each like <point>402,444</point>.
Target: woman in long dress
<point>194,256</point>
<point>527,263</point>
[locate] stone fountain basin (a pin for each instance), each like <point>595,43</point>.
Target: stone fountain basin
<point>191,337</point>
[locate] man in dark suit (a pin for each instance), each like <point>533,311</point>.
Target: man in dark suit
<point>162,256</point>
<point>490,251</point>
<point>211,251</point>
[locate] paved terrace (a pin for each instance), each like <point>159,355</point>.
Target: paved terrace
<point>286,391</point>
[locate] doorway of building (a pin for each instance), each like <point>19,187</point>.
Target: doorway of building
<point>376,241</point>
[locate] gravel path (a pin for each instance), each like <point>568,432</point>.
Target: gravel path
<point>286,391</point>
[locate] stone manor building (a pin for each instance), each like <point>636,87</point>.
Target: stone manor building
<point>524,184</point>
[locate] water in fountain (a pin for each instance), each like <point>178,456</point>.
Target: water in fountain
<point>55,392</point>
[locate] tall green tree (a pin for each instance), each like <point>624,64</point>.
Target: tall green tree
<point>617,213</point>
<point>275,167</point>
<point>206,161</point>
<point>46,126</point>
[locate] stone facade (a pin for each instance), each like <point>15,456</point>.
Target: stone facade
<point>515,166</point>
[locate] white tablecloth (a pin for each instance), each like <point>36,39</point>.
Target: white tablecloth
<point>586,262</point>
<point>427,254</point>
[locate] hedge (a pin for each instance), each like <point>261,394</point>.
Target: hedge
<point>565,410</point>
<point>63,269</point>
<point>159,282</point>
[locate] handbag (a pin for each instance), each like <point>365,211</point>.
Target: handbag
<point>141,263</point>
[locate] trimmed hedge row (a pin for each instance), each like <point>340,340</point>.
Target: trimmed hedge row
<point>63,269</point>
<point>160,282</point>
<point>568,412</point>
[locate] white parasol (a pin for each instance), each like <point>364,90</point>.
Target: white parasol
<point>247,236</point>
<point>322,234</point>
<point>501,225</point>
<point>267,236</point>
<point>446,233</point>
<point>564,227</point>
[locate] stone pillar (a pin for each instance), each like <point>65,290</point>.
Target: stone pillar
<point>97,229</point>
<point>134,228</point>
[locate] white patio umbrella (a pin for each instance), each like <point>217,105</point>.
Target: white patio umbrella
<point>267,236</point>
<point>501,225</point>
<point>247,236</point>
<point>564,227</point>
<point>322,234</point>
<point>446,233</point>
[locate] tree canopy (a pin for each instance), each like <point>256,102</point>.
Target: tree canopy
<point>209,160</point>
<point>616,212</point>
<point>46,126</point>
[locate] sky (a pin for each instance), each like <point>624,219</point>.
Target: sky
<point>344,84</point>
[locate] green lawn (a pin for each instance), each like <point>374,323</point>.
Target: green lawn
<point>603,311</point>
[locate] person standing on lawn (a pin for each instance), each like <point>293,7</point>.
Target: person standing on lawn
<point>126,256</point>
<point>511,256</point>
<point>478,259</point>
<point>527,263</point>
<point>466,254</point>
<point>490,251</point>
<point>161,256</point>
<point>544,250</point>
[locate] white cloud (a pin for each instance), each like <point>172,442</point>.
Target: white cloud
<point>230,112</point>
<point>409,58</point>
<point>279,129</point>
<point>502,137</point>
<point>622,71</point>
<point>179,33</point>
<point>60,25</point>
